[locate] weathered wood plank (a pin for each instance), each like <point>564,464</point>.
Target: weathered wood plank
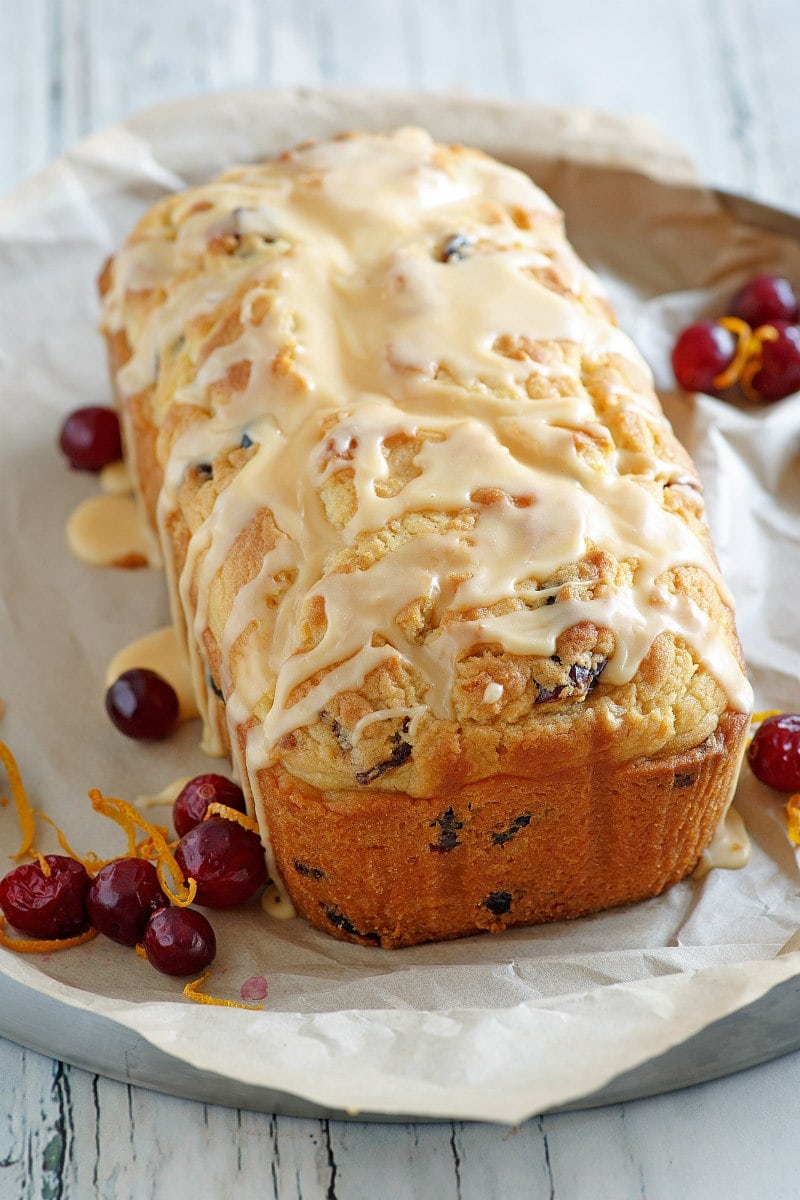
<point>15,1117</point>
<point>25,98</point>
<point>714,72</point>
<point>66,1132</point>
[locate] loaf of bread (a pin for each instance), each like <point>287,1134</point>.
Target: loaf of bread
<point>442,569</point>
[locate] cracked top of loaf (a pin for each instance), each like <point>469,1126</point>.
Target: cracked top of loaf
<point>424,517</point>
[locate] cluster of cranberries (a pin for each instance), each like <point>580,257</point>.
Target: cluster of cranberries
<point>757,345</point>
<point>56,898</point>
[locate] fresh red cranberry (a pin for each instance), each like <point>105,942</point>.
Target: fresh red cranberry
<point>124,895</point>
<point>179,941</point>
<point>764,299</point>
<point>47,906</point>
<point>192,802</point>
<point>90,438</point>
<point>779,373</point>
<point>226,860</point>
<point>774,753</point>
<point>142,705</point>
<point>702,352</point>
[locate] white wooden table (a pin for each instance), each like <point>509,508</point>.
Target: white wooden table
<point>721,78</point>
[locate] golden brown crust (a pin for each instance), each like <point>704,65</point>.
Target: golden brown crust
<point>394,870</point>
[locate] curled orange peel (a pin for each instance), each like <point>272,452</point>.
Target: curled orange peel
<point>182,898</point>
<point>147,848</point>
<point>793,819</point>
<point>764,333</point>
<point>757,717</point>
<point>44,865</point>
<point>192,992</point>
<point>180,890</point>
<point>744,337</point>
<point>42,945</point>
<point>25,814</point>
<point>231,814</point>
<point>747,357</point>
<point>91,861</point>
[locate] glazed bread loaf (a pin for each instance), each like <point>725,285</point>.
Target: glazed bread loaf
<point>441,566</point>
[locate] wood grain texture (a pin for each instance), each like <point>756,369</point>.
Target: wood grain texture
<point>720,76</point>
<point>715,73</point>
<point>67,1133</point>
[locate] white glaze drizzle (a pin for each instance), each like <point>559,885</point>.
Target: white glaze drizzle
<point>729,848</point>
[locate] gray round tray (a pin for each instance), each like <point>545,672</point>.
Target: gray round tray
<point>754,1034</point>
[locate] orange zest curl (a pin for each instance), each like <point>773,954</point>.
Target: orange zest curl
<point>764,333</point>
<point>757,717</point>
<point>149,850</point>
<point>25,815</point>
<point>44,865</point>
<point>793,819</point>
<point>231,814</point>
<point>192,992</point>
<point>180,890</point>
<point>91,861</point>
<point>746,361</point>
<point>42,945</point>
<point>744,336</point>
